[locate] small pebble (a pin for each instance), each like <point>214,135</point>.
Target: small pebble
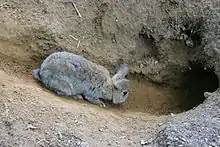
<point>60,136</point>
<point>143,142</point>
<point>101,130</point>
<point>31,127</point>
<point>189,42</point>
<point>141,66</point>
<point>117,142</point>
<point>160,124</point>
<point>122,137</point>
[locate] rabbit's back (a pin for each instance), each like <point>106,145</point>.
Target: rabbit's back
<point>73,74</point>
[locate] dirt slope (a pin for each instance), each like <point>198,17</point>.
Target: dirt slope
<point>31,116</point>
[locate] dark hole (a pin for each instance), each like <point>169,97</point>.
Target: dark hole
<point>197,39</point>
<point>195,35</point>
<point>193,31</point>
<point>194,83</point>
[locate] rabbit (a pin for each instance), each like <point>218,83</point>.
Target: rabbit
<point>72,75</point>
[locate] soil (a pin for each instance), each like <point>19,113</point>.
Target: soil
<point>171,47</point>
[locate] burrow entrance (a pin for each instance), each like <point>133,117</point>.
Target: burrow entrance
<point>193,85</point>
<point>156,99</point>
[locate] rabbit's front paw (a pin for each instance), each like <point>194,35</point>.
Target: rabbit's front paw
<point>96,102</point>
<point>102,105</point>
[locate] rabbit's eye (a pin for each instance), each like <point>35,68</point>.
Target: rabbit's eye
<point>125,93</point>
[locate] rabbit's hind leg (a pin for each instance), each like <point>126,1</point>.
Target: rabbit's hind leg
<point>61,93</point>
<point>80,97</point>
<point>60,87</point>
<point>58,92</point>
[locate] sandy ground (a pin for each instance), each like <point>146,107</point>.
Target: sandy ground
<point>144,34</point>
<point>32,116</point>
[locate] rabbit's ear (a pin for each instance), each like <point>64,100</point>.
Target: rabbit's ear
<point>121,73</point>
<point>122,84</point>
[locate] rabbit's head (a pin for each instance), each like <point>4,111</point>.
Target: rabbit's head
<point>120,85</point>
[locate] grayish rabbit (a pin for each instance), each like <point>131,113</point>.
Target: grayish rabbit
<point>72,75</point>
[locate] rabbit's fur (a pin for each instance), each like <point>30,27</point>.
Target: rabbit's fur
<point>72,75</point>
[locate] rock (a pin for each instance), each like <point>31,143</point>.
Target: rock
<point>143,143</point>
<point>190,133</point>
<point>30,127</point>
<point>172,114</point>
